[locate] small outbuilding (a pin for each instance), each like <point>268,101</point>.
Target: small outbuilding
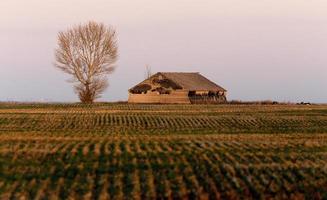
<point>177,87</point>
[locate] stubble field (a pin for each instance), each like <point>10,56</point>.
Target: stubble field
<point>121,151</point>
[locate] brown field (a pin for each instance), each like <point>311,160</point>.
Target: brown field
<point>122,151</point>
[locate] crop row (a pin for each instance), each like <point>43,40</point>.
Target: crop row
<point>163,168</point>
<point>130,123</point>
<point>221,108</point>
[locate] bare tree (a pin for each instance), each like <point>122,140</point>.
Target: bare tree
<point>88,53</point>
<point>148,72</point>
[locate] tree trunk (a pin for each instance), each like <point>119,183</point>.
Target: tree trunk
<point>86,95</point>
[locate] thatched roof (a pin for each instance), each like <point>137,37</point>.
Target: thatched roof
<point>192,81</point>
<point>141,88</point>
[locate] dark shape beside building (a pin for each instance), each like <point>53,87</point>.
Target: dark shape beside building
<point>177,87</point>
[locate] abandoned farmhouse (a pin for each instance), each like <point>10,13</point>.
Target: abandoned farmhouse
<point>177,87</point>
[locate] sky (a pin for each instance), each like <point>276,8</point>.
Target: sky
<point>256,49</point>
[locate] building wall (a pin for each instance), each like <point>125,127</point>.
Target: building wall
<point>153,97</point>
<point>208,99</point>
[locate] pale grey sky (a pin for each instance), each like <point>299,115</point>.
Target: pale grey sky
<point>257,49</point>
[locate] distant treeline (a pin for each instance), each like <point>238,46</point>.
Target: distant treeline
<point>266,102</point>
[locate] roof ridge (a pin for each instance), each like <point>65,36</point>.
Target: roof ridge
<point>181,72</point>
